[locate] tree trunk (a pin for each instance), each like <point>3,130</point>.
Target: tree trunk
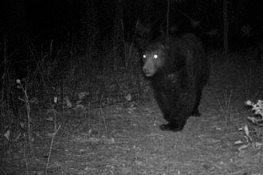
<point>118,36</point>
<point>226,25</point>
<point>167,17</point>
<point>88,27</point>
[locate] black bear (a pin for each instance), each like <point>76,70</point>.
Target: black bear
<point>178,70</point>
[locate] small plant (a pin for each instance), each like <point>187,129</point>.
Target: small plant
<point>257,109</point>
<point>257,121</point>
<point>226,108</point>
<point>249,140</point>
<point>25,99</point>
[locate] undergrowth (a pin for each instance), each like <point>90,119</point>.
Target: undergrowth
<point>57,81</point>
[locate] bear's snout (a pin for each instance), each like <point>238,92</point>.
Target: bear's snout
<point>146,71</point>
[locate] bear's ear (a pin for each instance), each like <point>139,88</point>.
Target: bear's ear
<point>168,49</point>
<point>163,46</point>
<point>165,49</point>
<point>168,44</point>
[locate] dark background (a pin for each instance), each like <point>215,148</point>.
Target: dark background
<point>92,23</point>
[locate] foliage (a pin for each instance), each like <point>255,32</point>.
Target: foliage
<point>254,133</point>
<point>257,109</point>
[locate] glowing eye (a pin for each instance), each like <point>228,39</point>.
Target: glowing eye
<point>144,56</point>
<point>155,56</point>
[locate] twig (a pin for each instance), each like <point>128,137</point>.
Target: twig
<point>102,116</point>
<point>51,146</point>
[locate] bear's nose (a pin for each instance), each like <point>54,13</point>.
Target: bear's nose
<point>146,71</point>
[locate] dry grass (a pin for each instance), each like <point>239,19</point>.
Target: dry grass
<point>112,130</point>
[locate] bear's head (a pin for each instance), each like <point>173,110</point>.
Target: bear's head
<point>153,59</point>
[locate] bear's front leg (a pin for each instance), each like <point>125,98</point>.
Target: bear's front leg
<point>175,127</point>
<point>177,118</point>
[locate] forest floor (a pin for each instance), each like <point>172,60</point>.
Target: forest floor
<point>126,139</point>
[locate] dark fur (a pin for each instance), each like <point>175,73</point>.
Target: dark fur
<point>178,76</point>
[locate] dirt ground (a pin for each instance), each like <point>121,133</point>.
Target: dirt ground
<point>126,139</point>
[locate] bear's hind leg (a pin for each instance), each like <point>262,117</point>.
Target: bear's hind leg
<point>195,111</point>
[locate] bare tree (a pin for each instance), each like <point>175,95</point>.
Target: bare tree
<point>226,25</point>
